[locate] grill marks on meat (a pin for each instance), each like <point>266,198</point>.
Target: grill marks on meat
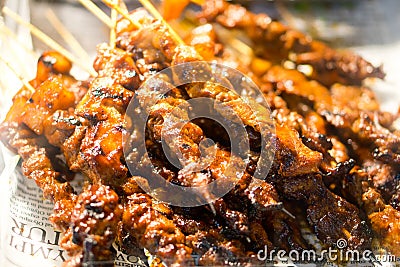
<point>93,226</point>
<point>292,153</point>
<point>296,159</point>
<point>103,110</point>
<point>261,195</point>
<point>96,149</point>
<point>152,46</point>
<point>152,230</point>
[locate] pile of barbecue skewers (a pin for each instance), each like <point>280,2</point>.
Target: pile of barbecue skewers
<point>337,157</point>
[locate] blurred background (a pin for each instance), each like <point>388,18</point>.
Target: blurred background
<point>342,23</point>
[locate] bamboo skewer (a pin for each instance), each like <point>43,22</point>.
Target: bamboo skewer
<point>122,13</point>
<point>67,36</point>
<point>114,15</point>
<point>153,11</point>
<point>22,79</point>
<point>95,10</point>
<point>48,41</point>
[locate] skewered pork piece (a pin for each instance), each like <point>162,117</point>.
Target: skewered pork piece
<point>360,120</point>
<point>96,151</point>
<point>332,216</point>
<point>82,112</point>
<point>23,128</point>
<point>384,218</point>
<point>151,229</point>
<point>103,109</point>
<point>94,223</point>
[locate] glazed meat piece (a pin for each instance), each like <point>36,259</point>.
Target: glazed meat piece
<point>102,111</point>
<point>37,165</point>
<point>293,157</point>
<point>187,143</point>
<point>25,122</point>
<point>277,42</point>
<point>213,241</point>
<point>49,97</point>
<point>119,66</point>
<point>331,216</point>
<point>293,82</point>
<point>357,121</point>
<point>384,178</point>
<point>152,46</point>
<point>152,230</point>
<point>204,40</point>
<point>93,227</point>
<point>384,219</point>
<point>356,117</point>
<point>284,231</point>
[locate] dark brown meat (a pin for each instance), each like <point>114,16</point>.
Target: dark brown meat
<point>384,219</point>
<point>24,125</point>
<point>93,227</point>
<point>213,242</point>
<point>362,122</point>
<point>284,231</point>
<point>331,216</point>
<point>356,117</point>
<point>102,112</point>
<point>277,42</point>
<point>152,46</point>
<point>152,230</point>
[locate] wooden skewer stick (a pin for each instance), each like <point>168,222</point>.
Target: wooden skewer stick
<point>113,37</point>
<point>48,41</point>
<point>122,12</point>
<point>22,79</point>
<point>67,36</point>
<point>95,10</point>
<point>288,213</point>
<point>153,11</point>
